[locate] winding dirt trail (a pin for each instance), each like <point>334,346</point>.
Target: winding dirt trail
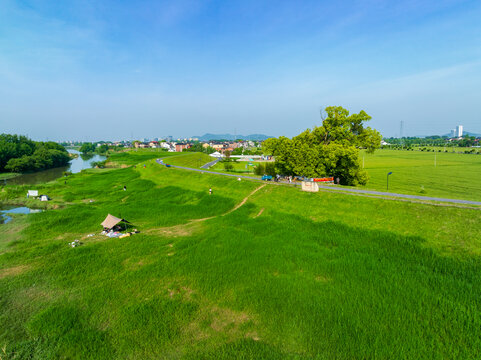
<point>244,200</point>
<point>184,229</point>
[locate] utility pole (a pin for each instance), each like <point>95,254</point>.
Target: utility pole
<point>401,134</point>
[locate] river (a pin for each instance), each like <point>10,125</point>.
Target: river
<point>76,165</point>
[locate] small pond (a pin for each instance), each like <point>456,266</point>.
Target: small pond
<point>5,211</point>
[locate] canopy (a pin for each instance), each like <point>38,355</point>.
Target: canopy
<point>110,221</point>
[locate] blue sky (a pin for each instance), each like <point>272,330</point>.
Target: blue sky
<point>90,70</point>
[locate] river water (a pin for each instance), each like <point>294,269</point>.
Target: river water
<point>76,165</point>
<point>5,210</point>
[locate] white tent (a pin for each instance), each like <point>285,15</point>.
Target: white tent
<point>33,193</point>
<point>44,198</point>
<point>216,154</point>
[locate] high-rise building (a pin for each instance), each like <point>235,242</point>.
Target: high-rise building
<point>459,131</point>
<point>453,133</point>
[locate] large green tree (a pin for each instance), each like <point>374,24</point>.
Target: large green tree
<point>331,149</point>
<point>20,154</point>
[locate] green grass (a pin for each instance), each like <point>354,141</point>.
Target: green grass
<point>137,156</point>
<point>287,275</point>
<point>456,176</point>
<point>239,167</point>
<point>189,159</point>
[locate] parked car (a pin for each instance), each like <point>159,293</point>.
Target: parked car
<point>267,177</point>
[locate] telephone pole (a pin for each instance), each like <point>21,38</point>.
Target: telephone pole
<point>401,134</point>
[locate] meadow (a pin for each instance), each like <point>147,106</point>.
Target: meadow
<point>449,175</point>
<point>253,271</point>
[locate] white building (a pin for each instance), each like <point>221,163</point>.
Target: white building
<point>459,131</point>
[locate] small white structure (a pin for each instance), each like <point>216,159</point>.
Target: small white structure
<point>310,186</point>
<point>44,198</point>
<point>216,154</point>
<point>32,193</point>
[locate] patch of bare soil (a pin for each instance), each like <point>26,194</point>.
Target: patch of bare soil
<point>321,278</point>
<point>136,263</point>
<point>13,271</point>
<point>178,230</point>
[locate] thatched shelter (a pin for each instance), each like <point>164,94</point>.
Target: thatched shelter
<point>111,221</point>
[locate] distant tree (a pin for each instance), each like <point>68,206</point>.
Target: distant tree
<point>102,149</point>
<point>87,148</point>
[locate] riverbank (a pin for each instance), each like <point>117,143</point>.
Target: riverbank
<point>77,163</point>
<point>5,176</point>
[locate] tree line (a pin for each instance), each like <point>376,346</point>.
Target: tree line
<point>21,154</point>
<point>465,141</point>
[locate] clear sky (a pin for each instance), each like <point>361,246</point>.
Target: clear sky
<point>106,69</point>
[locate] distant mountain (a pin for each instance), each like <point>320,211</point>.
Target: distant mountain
<point>208,137</point>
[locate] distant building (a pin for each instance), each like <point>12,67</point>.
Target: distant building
<point>179,147</point>
<point>453,133</point>
<point>459,131</point>
<point>154,144</point>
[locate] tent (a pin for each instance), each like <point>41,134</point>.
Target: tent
<point>44,198</point>
<point>33,193</point>
<point>110,221</point>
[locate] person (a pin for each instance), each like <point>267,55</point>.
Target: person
<point>125,188</point>
<point>210,191</point>
<point>337,180</point>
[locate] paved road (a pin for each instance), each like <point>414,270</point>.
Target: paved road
<point>209,164</point>
<point>344,189</point>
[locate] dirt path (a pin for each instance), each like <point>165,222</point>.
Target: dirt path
<point>244,200</point>
<point>188,228</point>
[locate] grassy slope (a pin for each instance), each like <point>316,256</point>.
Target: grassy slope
<point>323,274</point>
<point>239,166</point>
<point>188,159</point>
<point>455,176</point>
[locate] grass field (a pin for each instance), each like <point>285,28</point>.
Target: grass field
<point>267,274</point>
<point>196,160</point>
<point>188,159</point>
<point>456,176</point>
<point>239,167</point>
